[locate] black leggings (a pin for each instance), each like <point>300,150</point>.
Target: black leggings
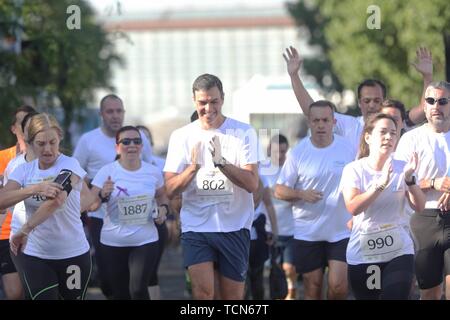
<point>395,283</point>
<point>66,279</point>
<point>129,270</point>
<point>162,238</point>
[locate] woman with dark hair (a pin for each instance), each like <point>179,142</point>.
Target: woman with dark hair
<point>376,189</point>
<point>136,199</point>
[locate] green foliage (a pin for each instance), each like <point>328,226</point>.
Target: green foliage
<point>356,52</point>
<point>64,66</point>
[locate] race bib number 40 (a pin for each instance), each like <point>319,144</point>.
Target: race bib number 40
<point>135,210</point>
<point>213,185</point>
<point>382,244</point>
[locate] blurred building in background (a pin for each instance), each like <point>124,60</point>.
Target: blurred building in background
<point>166,47</point>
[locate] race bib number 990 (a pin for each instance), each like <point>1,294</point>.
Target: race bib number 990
<point>382,244</point>
<point>135,210</point>
<point>213,185</point>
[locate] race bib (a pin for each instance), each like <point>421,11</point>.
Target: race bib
<point>213,185</point>
<point>136,209</point>
<point>36,200</point>
<point>381,244</point>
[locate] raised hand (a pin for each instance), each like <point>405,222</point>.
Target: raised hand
<point>424,63</point>
<point>215,149</point>
<point>386,172</point>
<point>411,166</point>
<point>108,188</point>
<point>293,60</point>
<point>196,154</point>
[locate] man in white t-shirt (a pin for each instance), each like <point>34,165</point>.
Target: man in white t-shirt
<point>213,163</point>
<point>371,93</point>
<point>95,149</point>
<point>310,179</point>
<point>431,227</point>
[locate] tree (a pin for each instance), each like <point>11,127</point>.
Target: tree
<point>356,52</point>
<point>58,61</point>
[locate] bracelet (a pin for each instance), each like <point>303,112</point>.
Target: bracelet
<point>21,230</point>
<point>165,206</point>
<point>380,188</point>
<point>103,199</point>
<point>432,183</point>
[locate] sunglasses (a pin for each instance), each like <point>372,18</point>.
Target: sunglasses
<point>127,141</point>
<point>441,101</point>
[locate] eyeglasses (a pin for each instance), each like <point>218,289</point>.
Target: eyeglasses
<point>127,141</point>
<point>441,101</point>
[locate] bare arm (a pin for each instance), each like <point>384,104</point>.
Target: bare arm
<point>258,194</point>
<point>424,67</point>
<point>89,200</point>
<point>176,183</point>
<point>285,193</point>
<point>294,63</point>
<point>246,178</point>
<point>267,199</point>
<point>12,193</point>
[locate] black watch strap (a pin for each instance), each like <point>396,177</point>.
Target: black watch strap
<point>104,199</point>
<point>412,182</point>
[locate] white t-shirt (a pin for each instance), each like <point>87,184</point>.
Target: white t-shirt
<point>309,167</point>
<point>283,209</point>
<point>350,128</point>
<point>434,156</point>
<point>133,191</point>
<point>95,149</point>
<point>19,216</point>
<point>61,236</point>
<point>381,232</point>
<point>215,209</point>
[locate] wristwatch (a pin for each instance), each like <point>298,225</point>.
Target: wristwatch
<point>103,199</point>
<point>222,162</point>
<point>412,182</point>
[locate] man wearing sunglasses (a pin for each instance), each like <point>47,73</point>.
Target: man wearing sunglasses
<point>213,163</point>
<point>371,93</point>
<point>95,149</point>
<point>431,227</point>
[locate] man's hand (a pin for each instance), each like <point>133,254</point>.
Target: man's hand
<point>311,195</point>
<point>215,149</point>
<point>293,60</point>
<point>196,154</point>
<point>443,202</point>
<point>424,63</point>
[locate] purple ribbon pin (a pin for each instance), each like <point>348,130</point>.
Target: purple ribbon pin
<point>124,190</point>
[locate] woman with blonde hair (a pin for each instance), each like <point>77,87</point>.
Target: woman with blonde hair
<point>56,260</point>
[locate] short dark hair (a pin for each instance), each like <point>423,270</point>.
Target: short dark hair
<point>372,83</point>
<point>109,96</point>
<point>396,104</point>
<point>194,116</point>
<point>207,81</point>
<point>322,104</point>
<point>279,139</point>
<point>25,108</point>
